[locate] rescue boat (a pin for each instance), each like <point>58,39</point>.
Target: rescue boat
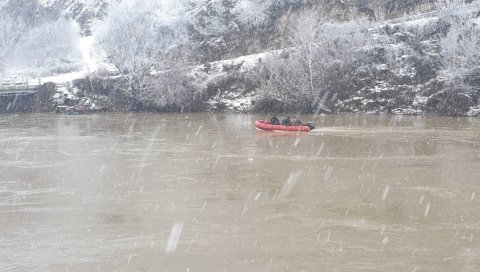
<point>261,124</point>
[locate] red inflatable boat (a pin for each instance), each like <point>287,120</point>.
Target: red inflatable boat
<point>267,126</point>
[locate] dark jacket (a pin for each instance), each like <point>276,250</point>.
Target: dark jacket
<point>274,120</point>
<point>287,121</point>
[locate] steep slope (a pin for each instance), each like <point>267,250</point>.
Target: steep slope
<point>413,66</point>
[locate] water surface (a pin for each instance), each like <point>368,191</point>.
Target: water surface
<point>209,192</point>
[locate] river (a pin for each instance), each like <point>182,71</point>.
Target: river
<point>209,192</point>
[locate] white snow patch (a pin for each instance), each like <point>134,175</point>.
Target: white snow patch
<point>420,100</point>
<point>245,63</point>
<point>421,22</point>
<point>64,78</point>
<point>474,111</point>
<point>382,67</point>
<point>46,3</point>
<point>406,111</point>
<point>63,92</point>
<point>233,101</point>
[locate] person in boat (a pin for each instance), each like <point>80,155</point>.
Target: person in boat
<point>296,121</point>
<point>274,120</point>
<point>287,121</point>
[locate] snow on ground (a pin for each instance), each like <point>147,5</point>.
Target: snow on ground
<point>90,64</point>
<point>418,22</point>
<point>474,111</point>
<point>246,62</point>
<point>46,3</point>
<point>407,111</point>
<point>64,92</point>
<point>64,78</point>
<point>420,101</point>
<point>233,99</point>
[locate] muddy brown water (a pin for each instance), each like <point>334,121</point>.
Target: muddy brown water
<point>209,192</point>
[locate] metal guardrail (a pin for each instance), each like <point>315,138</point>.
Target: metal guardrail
<point>18,85</point>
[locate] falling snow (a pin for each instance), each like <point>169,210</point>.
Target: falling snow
<point>125,191</point>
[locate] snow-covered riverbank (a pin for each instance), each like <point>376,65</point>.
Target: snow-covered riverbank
<point>422,63</point>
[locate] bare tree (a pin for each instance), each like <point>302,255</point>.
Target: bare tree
<point>306,39</point>
<point>129,45</point>
<point>322,55</point>
<point>295,77</point>
<point>135,43</point>
<point>143,49</point>
<point>379,10</point>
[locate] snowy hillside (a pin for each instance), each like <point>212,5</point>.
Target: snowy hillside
<point>420,63</point>
<point>321,56</point>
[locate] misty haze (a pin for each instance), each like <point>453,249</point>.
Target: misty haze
<point>239,135</point>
